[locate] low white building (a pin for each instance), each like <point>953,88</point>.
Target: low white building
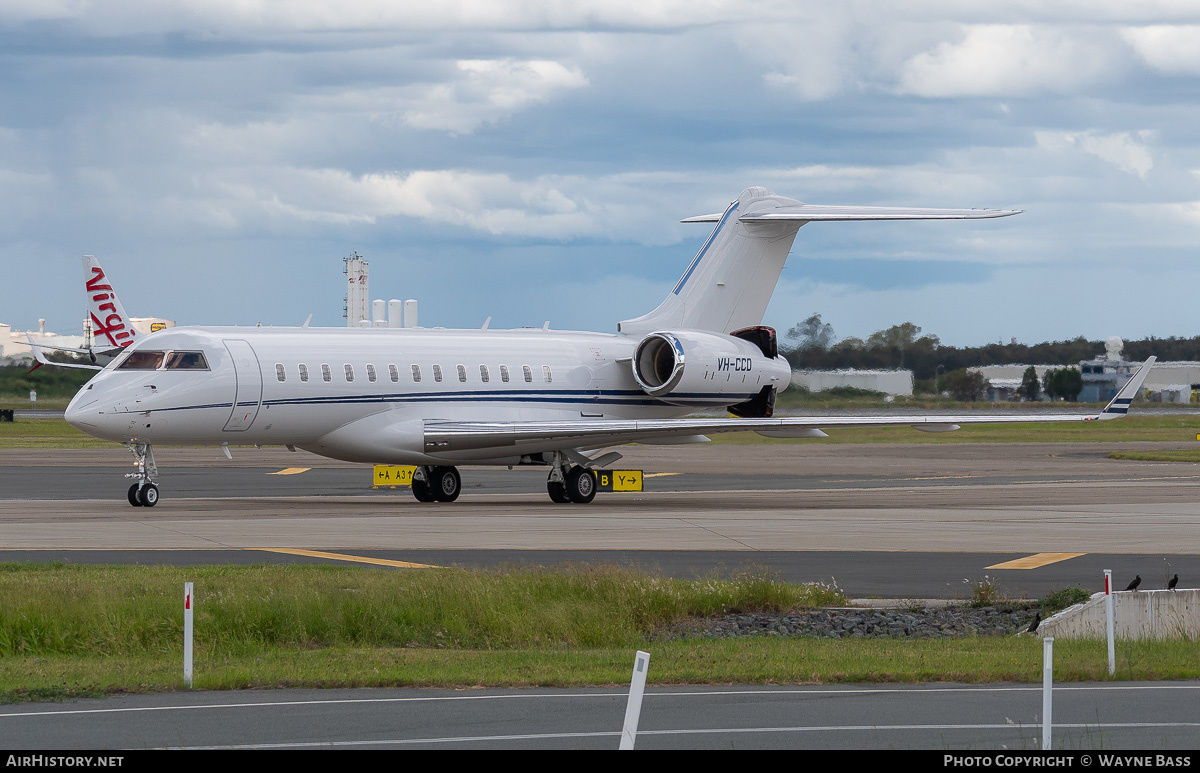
<point>890,382</point>
<point>14,344</point>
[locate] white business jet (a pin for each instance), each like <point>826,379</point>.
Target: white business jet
<point>440,398</point>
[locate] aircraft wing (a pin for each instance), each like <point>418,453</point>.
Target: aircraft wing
<point>531,436</point>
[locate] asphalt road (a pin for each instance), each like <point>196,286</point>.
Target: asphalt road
<point>947,717</point>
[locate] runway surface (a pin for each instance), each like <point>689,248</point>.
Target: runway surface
<point>910,521</point>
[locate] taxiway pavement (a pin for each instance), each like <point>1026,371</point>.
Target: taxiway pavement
<point>877,514</point>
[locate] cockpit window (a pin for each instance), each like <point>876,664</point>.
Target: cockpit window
<point>186,361</point>
<point>142,360</point>
<point>151,360</point>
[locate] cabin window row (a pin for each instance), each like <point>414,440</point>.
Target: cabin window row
<point>485,374</point>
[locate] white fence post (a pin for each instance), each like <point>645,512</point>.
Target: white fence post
<point>1047,691</point>
<point>1110,623</point>
<point>187,633</point>
<point>633,709</point>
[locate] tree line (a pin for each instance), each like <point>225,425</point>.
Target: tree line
<point>812,344</point>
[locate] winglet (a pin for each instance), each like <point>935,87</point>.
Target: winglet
<point>1119,405</point>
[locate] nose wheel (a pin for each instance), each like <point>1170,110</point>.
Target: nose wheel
<point>144,492</point>
<point>143,496</point>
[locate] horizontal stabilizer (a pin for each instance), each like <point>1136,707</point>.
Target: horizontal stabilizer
<point>805,213</point>
<point>41,358</point>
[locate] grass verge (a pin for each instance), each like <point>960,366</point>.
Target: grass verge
<point>741,661</point>
<point>1158,456</point>
<point>72,631</point>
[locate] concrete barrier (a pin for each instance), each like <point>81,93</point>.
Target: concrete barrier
<point>1148,614</point>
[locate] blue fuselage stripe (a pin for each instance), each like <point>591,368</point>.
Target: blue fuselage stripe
<point>555,397</point>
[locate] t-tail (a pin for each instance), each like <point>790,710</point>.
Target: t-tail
<point>729,283</point>
<point>111,326</point>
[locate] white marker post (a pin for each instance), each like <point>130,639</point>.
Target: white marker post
<point>1047,690</point>
<point>1110,625</point>
<point>187,634</point>
<point>633,709</point>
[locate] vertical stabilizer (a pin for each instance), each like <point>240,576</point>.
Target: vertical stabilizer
<point>111,326</point>
<point>729,283</point>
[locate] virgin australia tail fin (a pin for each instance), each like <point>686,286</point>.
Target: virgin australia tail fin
<point>111,326</point>
<point>730,281</point>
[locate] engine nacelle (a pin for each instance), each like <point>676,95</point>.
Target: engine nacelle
<point>695,363</point>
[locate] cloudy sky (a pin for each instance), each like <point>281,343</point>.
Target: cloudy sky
<point>531,160</point>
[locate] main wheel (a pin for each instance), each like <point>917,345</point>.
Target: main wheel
<point>558,492</point>
<point>148,496</point>
<point>581,485</point>
<point>133,496</point>
<point>446,483</point>
<point>422,492</point>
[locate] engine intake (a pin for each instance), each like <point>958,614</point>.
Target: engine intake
<point>658,363</point>
<point>691,365</point>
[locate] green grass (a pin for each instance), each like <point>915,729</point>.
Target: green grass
<point>71,631</point>
<point>45,433</point>
<point>130,611</point>
<point>745,661</point>
<point>1158,456</point>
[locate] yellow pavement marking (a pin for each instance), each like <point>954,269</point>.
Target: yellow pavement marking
<point>1034,561</point>
<point>291,471</point>
<point>660,474</point>
<point>357,559</point>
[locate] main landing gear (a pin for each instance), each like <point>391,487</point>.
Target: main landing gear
<point>436,484</point>
<point>570,483</point>
<point>143,493</point>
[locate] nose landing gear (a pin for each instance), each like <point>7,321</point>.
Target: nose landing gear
<point>144,492</point>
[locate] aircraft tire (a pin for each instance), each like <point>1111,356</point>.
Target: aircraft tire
<point>148,496</point>
<point>581,485</point>
<point>133,496</point>
<point>447,483</point>
<point>420,490</point>
<point>558,492</point>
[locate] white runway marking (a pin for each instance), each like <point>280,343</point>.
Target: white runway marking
<point>555,696</point>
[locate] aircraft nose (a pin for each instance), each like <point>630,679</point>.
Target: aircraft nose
<point>81,412</point>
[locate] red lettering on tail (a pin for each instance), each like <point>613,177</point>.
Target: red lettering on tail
<point>93,284</point>
<point>111,328</point>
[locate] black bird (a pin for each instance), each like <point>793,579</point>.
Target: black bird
<point>1137,580</point>
<point>1037,619</point>
<point>1174,581</point>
